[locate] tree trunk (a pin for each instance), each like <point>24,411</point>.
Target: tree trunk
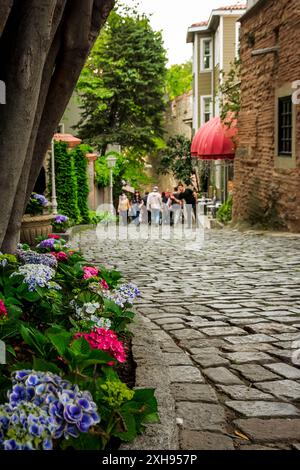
<point>46,44</point>
<point>23,66</point>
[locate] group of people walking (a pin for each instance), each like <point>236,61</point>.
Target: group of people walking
<point>155,208</point>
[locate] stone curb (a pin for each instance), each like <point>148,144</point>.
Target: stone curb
<point>152,372</point>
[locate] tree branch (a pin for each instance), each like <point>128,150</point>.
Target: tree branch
<point>5,8</point>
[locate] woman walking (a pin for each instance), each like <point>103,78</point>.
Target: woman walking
<point>136,206</point>
<point>123,208</point>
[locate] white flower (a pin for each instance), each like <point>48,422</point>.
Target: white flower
<point>91,307</point>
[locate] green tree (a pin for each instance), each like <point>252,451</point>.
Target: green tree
<point>179,79</point>
<point>122,84</point>
<point>176,157</point>
<point>130,168</point>
<point>231,91</point>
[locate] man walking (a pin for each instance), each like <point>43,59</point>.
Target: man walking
<point>154,205</point>
<point>188,196</point>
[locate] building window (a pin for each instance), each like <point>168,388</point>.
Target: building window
<point>206,109</point>
<point>206,55</point>
<point>285,125</point>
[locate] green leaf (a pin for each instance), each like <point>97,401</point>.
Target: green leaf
<point>60,339</point>
<point>11,350</point>
<point>80,347</point>
<point>34,338</point>
<point>44,366</point>
<point>130,432</point>
<point>85,441</point>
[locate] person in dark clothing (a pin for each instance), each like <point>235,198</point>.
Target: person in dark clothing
<point>136,205</point>
<point>188,196</point>
<point>145,200</point>
<point>176,207</point>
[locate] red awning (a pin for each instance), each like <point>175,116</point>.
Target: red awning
<point>213,141</point>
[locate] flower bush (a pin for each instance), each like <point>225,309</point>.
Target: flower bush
<point>65,324</point>
<point>37,204</point>
<point>60,223</point>
<point>105,340</point>
<point>37,275</point>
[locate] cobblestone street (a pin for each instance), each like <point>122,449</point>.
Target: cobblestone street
<point>227,317</point>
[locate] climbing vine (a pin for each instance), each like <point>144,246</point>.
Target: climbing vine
<point>66,182</point>
<point>80,164</point>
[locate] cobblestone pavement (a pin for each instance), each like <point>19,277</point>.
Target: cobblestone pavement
<point>227,317</point>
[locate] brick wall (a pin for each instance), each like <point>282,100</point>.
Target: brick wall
<point>259,183</point>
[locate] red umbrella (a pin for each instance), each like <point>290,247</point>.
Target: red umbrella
<point>213,141</point>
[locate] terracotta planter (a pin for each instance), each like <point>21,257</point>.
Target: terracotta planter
<point>34,226</point>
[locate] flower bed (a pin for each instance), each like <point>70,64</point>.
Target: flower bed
<point>65,326</point>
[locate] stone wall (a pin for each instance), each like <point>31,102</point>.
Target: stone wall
<point>267,187</point>
<point>178,116</point>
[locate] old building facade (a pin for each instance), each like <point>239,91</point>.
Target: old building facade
<point>267,162</point>
<point>215,46</point>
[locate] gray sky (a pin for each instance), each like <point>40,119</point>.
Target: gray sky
<point>173,17</point>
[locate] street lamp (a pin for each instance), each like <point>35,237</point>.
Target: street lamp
<point>111,163</point>
<point>53,198</point>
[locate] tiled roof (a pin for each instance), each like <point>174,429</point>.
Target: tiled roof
<point>227,8</point>
<point>68,138</point>
<point>202,23</point>
<point>233,7</point>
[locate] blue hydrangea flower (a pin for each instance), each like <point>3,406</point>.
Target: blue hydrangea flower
<point>25,427</point>
<point>71,410</point>
<point>37,275</point>
<point>124,294</point>
<point>32,257</point>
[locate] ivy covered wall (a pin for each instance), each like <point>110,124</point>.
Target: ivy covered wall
<point>71,180</point>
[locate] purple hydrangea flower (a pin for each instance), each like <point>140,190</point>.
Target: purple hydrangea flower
<point>48,243</point>
<point>60,219</point>
<point>41,199</point>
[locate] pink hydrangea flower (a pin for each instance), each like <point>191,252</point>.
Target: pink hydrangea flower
<point>62,256</point>
<point>3,311</point>
<point>105,340</point>
<point>104,284</point>
<point>90,271</point>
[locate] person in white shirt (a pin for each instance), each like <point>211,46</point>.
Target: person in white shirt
<point>154,205</point>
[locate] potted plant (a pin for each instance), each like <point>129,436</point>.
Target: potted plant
<point>60,223</point>
<point>37,219</point>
